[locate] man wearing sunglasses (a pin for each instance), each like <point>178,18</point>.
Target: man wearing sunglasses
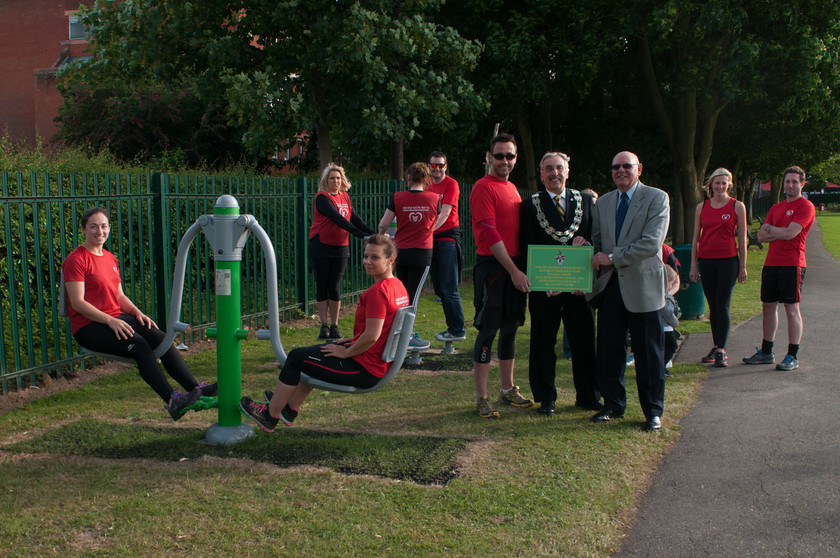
<point>559,216</point>
<point>447,251</point>
<point>500,283</point>
<point>627,232</point>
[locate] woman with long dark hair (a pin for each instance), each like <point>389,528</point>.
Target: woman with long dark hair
<point>103,319</point>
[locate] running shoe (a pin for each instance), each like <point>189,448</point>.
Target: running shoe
<point>485,409</point>
<point>513,397</point>
<point>631,360</point>
<point>447,337</point>
<point>709,358</point>
<point>180,401</point>
<point>789,363</point>
<point>720,359</point>
<point>258,410</point>
<point>208,389</point>
<point>325,332</point>
<point>760,358</point>
<point>418,344</point>
<point>334,333</point>
<point>287,415</point>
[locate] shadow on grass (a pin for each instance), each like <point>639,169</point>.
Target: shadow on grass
<point>421,459</point>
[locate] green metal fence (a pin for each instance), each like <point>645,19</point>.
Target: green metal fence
<point>39,226</point>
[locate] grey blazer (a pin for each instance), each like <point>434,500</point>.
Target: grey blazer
<point>637,254</point>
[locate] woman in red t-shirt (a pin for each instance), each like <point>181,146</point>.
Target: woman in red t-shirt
<point>715,259</point>
<point>329,238</point>
<point>104,320</point>
<point>352,362</point>
<point>417,212</point>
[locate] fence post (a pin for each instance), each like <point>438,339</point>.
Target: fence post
<point>157,241</point>
<point>302,253</point>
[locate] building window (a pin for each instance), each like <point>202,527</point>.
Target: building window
<point>77,28</point>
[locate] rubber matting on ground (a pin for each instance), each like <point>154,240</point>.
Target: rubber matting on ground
<point>461,362</point>
<point>421,459</point>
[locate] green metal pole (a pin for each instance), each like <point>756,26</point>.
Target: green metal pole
<point>227,247</point>
<point>228,351</point>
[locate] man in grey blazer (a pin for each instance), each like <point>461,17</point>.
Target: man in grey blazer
<point>628,230</point>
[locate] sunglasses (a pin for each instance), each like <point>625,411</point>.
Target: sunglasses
<point>437,165</point>
<point>625,166</point>
<point>508,156</point>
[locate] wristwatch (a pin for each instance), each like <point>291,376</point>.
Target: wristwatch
<point>610,256</point>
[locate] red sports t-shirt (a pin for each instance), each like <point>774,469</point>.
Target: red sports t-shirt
<point>416,215</point>
<point>493,198</point>
<point>450,192</point>
<point>717,231</point>
<point>790,252</point>
<point>101,276</point>
<point>380,300</point>
<point>328,231</point>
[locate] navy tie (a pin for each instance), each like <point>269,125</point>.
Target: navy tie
<point>623,204</point>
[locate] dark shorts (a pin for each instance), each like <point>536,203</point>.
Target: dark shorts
<point>782,283</point>
<point>497,301</point>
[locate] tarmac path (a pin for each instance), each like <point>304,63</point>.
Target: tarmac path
<point>755,471</point>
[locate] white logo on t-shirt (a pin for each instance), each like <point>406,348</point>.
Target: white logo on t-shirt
<point>789,212</point>
<point>415,217</point>
<point>725,216</point>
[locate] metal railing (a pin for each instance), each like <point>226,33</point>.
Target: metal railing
<point>39,226</point>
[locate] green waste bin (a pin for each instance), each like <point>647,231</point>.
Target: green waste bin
<point>690,296</point>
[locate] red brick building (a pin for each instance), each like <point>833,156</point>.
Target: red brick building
<point>38,36</point>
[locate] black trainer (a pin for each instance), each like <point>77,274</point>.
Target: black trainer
<point>258,410</point>
<point>334,333</point>
<point>180,400</point>
<point>325,332</point>
<point>208,389</point>
<point>287,415</point>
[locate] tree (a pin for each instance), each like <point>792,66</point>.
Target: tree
<point>353,72</point>
<point>698,59</point>
<point>539,60</point>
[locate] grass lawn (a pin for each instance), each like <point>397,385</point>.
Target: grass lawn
<point>830,227</point>
<point>408,470</point>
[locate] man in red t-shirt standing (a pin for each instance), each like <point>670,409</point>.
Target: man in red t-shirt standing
<point>446,257</point>
<point>500,284</point>
<point>785,229</point>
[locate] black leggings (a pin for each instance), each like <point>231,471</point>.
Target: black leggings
<point>140,346</point>
<point>310,360</point>
<point>718,276</point>
<point>484,343</point>
<point>410,276</point>
<point>328,273</point>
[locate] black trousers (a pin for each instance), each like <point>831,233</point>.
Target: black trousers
<point>647,341</point>
<point>578,319</point>
<point>140,346</point>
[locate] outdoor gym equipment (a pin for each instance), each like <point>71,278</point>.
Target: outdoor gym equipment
<point>227,231</point>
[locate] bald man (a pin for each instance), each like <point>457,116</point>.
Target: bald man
<point>628,230</point>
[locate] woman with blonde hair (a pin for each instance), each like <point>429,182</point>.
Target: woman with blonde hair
<point>715,259</point>
<point>329,244</point>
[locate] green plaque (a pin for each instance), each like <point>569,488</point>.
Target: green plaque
<point>560,268</point>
